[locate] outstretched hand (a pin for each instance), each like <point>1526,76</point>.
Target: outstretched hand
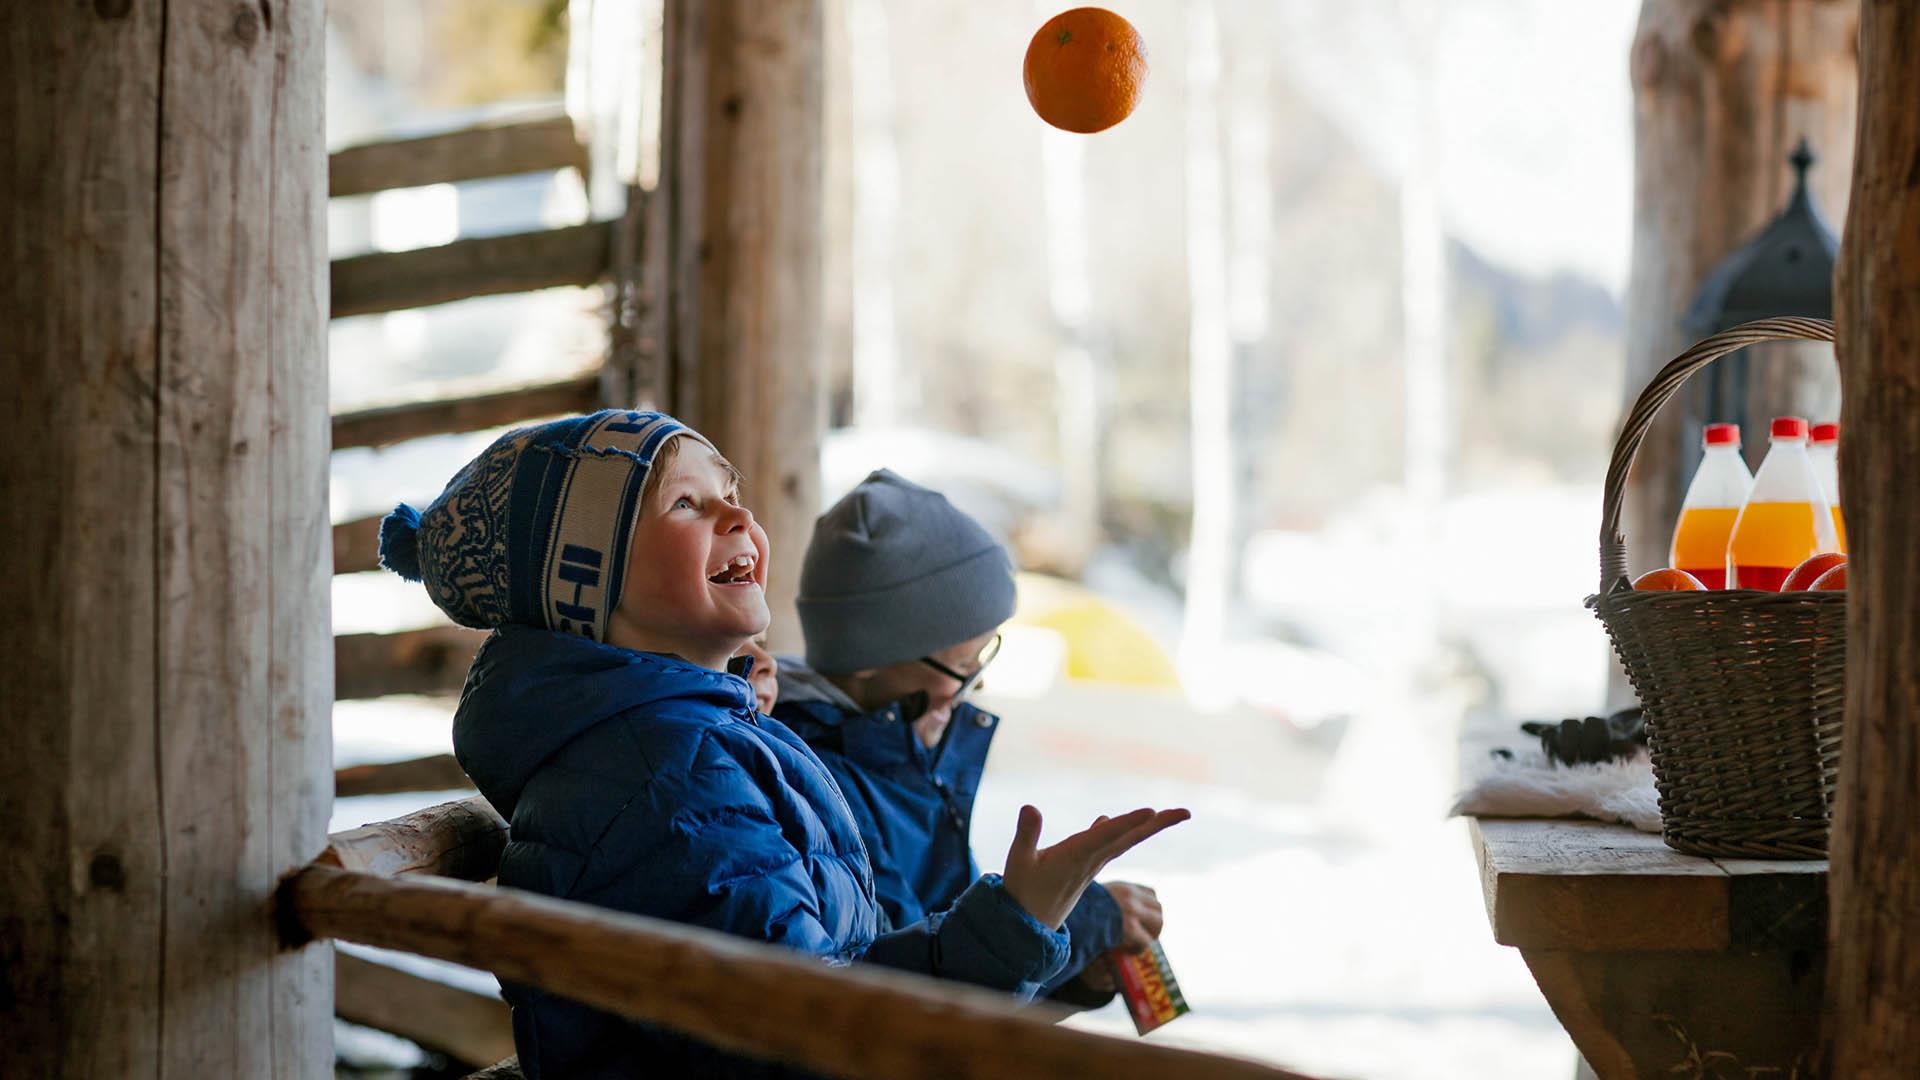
<point>1047,882</point>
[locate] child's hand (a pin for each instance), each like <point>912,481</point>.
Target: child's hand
<point>1140,916</point>
<point>1047,882</point>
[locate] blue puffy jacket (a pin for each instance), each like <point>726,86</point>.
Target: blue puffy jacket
<point>645,784</point>
<point>914,805</point>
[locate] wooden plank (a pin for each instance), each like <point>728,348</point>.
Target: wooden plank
<point>81,894</point>
<point>471,1028</point>
<point>1589,886</point>
<point>503,149</point>
<point>389,424</point>
<point>436,772</point>
<point>1646,1014</point>
<point>430,661</point>
<point>741,247</point>
<point>163,464</point>
<point>356,545</point>
<point>505,1069</point>
<point>730,992</point>
<point>1873,1024</point>
<point>462,839</point>
<point>478,266</point>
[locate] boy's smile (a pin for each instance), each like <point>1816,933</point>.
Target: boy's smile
<point>696,565</point>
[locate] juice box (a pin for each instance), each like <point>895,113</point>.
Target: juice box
<point>1146,982</point>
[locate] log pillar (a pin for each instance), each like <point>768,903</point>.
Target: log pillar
<point>1722,91</point>
<point>163,454</point>
<point>735,236</point>
<point>1874,897</point>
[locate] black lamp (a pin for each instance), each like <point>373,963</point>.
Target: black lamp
<point>1786,269</point>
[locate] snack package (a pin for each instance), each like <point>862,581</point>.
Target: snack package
<point>1146,982</point>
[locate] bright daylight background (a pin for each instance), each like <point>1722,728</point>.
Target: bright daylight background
<point>1292,395</point>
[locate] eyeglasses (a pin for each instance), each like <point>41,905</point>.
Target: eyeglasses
<point>970,680</point>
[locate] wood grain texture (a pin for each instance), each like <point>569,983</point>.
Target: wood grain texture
<point>164,476</point>
<point>436,772</point>
<point>470,1027</point>
<point>532,144</point>
<point>388,424</point>
<point>462,839</point>
<point>1875,968</point>
<point>739,256</point>
<point>1587,886</point>
<point>429,661</point>
<point>479,266</point>
<point>857,1022</point>
<point>1723,89</point>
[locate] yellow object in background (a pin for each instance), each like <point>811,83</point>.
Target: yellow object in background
<point>1103,643</point>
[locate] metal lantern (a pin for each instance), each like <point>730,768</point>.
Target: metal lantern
<point>1786,269</point>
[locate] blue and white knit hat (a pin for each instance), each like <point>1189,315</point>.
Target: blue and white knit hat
<point>534,531</point>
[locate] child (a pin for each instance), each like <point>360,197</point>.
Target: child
<point>901,599</point>
<point>612,559</point>
<point>764,675</point>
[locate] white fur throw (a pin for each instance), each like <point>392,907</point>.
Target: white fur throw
<point>1530,786</point>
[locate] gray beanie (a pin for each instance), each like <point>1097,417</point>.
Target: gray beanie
<point>895,572</point>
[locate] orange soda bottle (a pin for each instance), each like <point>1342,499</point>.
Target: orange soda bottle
<point>1786,517</point>
<point>1823,446</point>
<point>1714,498</point>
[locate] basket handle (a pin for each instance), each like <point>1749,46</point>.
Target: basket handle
<point>1613,546</point>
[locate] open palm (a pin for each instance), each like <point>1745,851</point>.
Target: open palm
<point>1048,881</point>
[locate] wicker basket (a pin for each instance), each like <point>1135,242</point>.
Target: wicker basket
<point>1743,689</point>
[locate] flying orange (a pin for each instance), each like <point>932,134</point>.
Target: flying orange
<point>1084,70</point>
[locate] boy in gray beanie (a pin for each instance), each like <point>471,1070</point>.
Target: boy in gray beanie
<point>901,599</point>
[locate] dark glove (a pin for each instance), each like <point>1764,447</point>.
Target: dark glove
<point>1591,739</point>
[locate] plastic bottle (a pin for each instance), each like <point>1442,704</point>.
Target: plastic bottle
<point>1823,446</point>
<point>1786,517</point>
<point>1714,498</point>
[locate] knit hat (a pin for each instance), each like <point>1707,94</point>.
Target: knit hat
<point>534,531</point>
<point>895,572</point>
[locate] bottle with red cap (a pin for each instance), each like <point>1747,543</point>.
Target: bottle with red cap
<point>1714,498</point>
<point>1823,446</point>
<point>1786,518</point>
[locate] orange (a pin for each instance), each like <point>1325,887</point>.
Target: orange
<point>1667,579</point>
<point>1803,575</point>
<point>1834,580</point>
<point>1084,70</point>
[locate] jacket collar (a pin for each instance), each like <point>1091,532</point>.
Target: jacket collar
<point>881,737</point>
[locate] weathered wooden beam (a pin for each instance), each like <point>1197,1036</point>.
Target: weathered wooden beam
<point>479,266</point>
<point>736,256</point>
<point>746,996</point>
<point>163,462</point>
<point>430,661</point>
<point>470,1027</point>
<point>1872,1024</point>
<point>389,424</point>
<point>356,545</point>
<point>462,839</point>
<point>521,146</point>
<point>436,772</point>
<point>504,1069</point>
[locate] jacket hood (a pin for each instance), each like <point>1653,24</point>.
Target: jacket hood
<point>531,692</point>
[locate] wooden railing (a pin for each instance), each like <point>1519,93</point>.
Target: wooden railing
<point>397,885</point>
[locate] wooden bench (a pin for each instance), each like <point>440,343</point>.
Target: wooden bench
<point>1659,963</point>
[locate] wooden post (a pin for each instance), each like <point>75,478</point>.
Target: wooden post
<point>1874,970</point>
<point>163,452</point>
<point>739,249</point>
<point>1722,89</point>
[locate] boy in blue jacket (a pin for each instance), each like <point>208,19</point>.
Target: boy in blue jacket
<point>612,559</point>
<point>901,599</point>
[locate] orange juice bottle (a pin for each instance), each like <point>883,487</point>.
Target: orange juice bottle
<point>1714,498</point>
<point>1823,446</point>
<point>1786,517</point>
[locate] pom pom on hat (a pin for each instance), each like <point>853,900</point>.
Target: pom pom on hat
<point>400,542</point>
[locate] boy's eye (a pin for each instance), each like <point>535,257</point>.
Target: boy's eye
<point>683,501</point>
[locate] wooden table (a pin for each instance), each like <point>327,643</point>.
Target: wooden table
<point>1658,963</point>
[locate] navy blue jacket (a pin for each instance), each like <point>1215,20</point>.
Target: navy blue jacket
<point>914,805</point>
<point>645,784</point>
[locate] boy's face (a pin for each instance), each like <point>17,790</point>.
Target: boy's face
<point>883,686</point>
<point>696,566</point>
